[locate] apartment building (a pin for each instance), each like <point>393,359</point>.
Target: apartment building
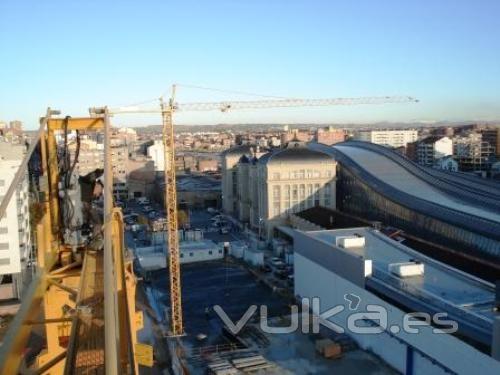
<point>290,135</point>
<point>330,135</point>
<point>391,138</point>
<point>15,229</point>
<point>91,157</point>
<point>472,153</point>
<point>432,148</point>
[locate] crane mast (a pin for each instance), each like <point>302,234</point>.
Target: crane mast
<point>177,328</point>
<point>167,111</point>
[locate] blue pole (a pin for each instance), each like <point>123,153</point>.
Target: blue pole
<point>409,360</point>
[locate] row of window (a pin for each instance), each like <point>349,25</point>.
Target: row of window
<point>210,252</point>
<point>301,174</point>
<point>284,208</point>
<point>295,192</point>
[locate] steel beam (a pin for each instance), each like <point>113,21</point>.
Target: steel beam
<point>77,123</point>
<point>16,338</point>
<point>111,336</point>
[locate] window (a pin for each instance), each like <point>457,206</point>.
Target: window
<point>294,192</point>
<point>2,182</point>
<point>276,193</point>
<point>210,252</point>
<point>182,255</point>
<point>4,230</point>
<point>276,208</point>
<point>191,254</point>
<point>4,246</point>
<point>328,190</point>
<point>302,191</point>
<point>286,192</point>
<point>220,251</point>
<point>276,176</point>
<point>4,262</point>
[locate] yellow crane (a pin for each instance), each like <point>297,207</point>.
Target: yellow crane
<point>84,300</point>
<point>167,110</point>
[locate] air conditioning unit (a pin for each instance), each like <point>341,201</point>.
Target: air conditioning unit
<point>407,269</point>
<point>350,242</point>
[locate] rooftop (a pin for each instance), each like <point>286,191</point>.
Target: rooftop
<point>294,152</point>
<point>397,176</point>
<point>439,288</point>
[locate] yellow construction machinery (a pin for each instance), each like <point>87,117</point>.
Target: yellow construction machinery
<point>77,290</point>
<point>82,301</point>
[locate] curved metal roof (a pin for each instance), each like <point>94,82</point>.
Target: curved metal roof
<point>398,181</point>
<point>295,152</point>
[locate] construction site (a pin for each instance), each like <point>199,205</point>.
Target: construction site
<point>86,310</point>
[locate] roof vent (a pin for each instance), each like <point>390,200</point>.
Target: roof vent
<point>407,269</point>
<point>350,242</point>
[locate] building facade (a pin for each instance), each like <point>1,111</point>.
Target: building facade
<point>263,191</point>
<point>390,138</point>
<point>156,152</point>
<point>15,229</point>
<point>472,153</point>
<point>433,148</point>
<point>330,135</point>
<point>372,282</point>
<point>91,157</point>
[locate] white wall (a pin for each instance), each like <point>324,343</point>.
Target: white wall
<point>443,147</point>
<point>15,241</point>
<point>157,153</point>
<point>313,280</point>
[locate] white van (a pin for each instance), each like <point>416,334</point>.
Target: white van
<point>143,200</point>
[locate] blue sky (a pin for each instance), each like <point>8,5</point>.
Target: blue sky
<point>75,54</point>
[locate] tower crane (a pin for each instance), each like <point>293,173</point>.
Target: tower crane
<point>82,298</point>
<point>167,110</point>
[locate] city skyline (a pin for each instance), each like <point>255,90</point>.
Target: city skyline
<point>444,53</point>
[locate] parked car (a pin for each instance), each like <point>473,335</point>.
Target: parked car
<point>265,268</point>
<point>281,266</point>
<point>280,275</point>
<point>224,230</point>
<point>143,200</point>
<point>275,260</point>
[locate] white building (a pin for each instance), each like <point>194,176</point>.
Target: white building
<point>152,258</point>
<point>390,138</point>
<point>433,148</point>
<point>15,230</point>
<point>372,282</point>
<point>264,191</point>
<point>156,152</point>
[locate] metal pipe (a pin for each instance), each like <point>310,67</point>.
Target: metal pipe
<point>110,332</point>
